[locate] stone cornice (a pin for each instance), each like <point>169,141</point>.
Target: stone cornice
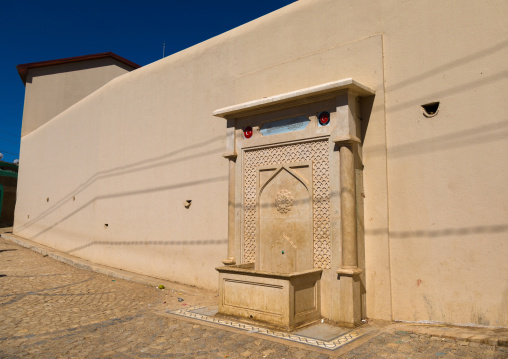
<point>314,93</point>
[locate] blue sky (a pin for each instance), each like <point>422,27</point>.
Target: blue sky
<point>37,30</point>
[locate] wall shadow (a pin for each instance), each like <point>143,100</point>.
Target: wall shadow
<point>130,193</point>
<point>137,166</point>
<point>488,80</point>
<point>478,135</point>
<point>449,65</point>
<point>457,231</point>
<point>202,242</point>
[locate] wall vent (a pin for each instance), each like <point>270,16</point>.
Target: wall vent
<point>430,109</point>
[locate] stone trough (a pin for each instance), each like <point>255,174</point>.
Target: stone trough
<point>284,300</point>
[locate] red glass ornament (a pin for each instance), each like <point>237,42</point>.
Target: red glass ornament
<point>324,118</point>
<point>247,132</point>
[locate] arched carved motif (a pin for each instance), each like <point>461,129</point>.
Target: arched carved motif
<point>318,154</point>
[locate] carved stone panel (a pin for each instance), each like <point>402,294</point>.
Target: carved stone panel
<point>318,154</point>
<point>284,241</point>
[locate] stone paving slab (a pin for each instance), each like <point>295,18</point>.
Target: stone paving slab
<point>49,309</point>
<point>325,332</point>
<point>312,337</point>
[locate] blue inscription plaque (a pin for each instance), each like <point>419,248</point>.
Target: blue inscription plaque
<point>286,125</point>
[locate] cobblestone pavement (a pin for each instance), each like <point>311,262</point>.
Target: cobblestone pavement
<point>49,310</point>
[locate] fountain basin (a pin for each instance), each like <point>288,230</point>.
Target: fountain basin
<point>284,300</point>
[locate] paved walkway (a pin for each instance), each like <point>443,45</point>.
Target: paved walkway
<point>49,309</point>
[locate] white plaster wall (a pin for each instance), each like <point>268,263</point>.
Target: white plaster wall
<point>435,205</point>
<point>52,89</point>
<point>447,207</point>
<point>130,160</point>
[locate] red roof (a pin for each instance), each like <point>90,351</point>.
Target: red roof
<point>23,68</point>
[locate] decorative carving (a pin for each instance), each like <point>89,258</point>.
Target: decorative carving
<point>317,152</point>
<point>287,239</point>
<point>284,239</point>
<point>284,201</point>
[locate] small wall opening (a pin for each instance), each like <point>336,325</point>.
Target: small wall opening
<point>430,109</point>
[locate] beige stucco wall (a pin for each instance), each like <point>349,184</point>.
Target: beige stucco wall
<point>52,89</point>
<point>435,204</point>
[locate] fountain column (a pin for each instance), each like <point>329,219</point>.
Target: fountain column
<point>231,155</point>
<point>349,305</point>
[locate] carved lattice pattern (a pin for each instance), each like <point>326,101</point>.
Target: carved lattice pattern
<point>317,152</point>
